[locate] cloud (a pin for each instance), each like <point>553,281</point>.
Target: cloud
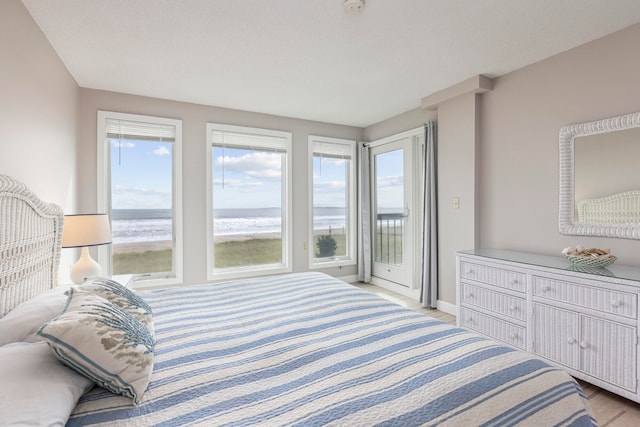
<point>329,186</point>
<point>390,192</point>
<point>330,161</point>
<point>390,181</point>
<point>161,151</point>
<point>238,184</point>
<point>124,144</point>
<point>259,165</point>
<point>140,198</point>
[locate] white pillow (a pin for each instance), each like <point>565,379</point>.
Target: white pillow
<point>36,388</point>
<point>28,317</point>
<point>103,342</point>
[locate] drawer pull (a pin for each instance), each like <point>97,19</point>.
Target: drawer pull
<point>514,281</point>
<point>616,303</point>
<point>584,344</point>
<point>470,295</point>
<point>514,336</point>
<point>513,307</point>
<point>571,340</point>
<point>546,288</point>
<point>469,319</point>
<point>469,272</point>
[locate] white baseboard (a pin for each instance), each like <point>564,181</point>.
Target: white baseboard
<point>394,287</point>
<point>446,307</point>
<point>349,279</point>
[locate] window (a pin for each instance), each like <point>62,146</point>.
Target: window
<point>139,186</point>
<point>250,201</point>
<point>333,203</point>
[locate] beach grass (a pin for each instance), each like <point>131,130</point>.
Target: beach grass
<point>231,253</point>
<point>247,252</point>
<point>239,253</point>
<point>152,261</point>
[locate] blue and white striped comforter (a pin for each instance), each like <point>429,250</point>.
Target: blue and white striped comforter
<point>308,350</point>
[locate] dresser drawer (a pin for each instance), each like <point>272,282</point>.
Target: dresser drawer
<point>494,301</point>
<point>512,280</point>
<point>590,297</point>
<point>496,328</point>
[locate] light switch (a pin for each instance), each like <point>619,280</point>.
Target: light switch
<point>456,203</point>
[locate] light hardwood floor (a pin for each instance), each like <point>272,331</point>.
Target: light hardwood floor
<point>609,409</point>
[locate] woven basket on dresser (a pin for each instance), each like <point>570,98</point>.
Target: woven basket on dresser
<point>591,261</point>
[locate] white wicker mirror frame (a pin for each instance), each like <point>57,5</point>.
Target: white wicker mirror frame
<point>567,222</point>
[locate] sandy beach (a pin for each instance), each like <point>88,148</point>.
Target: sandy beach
<point>121,248</point>
<point>124,248</point>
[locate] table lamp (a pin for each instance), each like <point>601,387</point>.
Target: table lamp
<point>82,231</point>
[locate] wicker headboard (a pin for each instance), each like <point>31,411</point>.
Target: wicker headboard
<point>30,243</point>
<point>621,208</point>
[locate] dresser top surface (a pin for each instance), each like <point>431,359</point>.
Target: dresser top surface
<point>557,262</point>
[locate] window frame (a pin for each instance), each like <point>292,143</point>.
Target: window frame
<point>350,258</point>
<point>104,196</point>
<point>286,266</point>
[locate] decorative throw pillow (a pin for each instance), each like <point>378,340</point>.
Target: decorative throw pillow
<point>121,296</point>
<point>103,342</point>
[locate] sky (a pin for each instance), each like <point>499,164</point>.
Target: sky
<point>140,175</point>
<point>329,182</point>
<point>252,179</point>
<point>141,178</point>
<point>246,179</point>
<point>390,180</point>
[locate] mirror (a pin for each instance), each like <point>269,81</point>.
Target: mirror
<point>600,178</point>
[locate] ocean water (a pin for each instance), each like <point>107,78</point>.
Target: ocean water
<point>150,225</point>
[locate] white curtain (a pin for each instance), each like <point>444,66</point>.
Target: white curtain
<point>429,277</point>
<point>364,215</point>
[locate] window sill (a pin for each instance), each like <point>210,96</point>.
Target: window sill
<point>154,283</point>
<point>331,263</point>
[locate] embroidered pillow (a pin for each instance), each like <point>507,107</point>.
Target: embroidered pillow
<point>103,342</point>
<point>121,296</point>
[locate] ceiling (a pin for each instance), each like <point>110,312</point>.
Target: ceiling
<point>308,58</point>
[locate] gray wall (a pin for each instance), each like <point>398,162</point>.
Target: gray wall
<point>194,118</point>
<point>38,114</point>
<point>457,177</point>
<point>510,200</point>
<point>502,148</point>
<point>38,109</point>
<point>408,120</point>
<point>519,124</point>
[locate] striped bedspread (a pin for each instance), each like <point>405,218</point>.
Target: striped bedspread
<point>309,350</point>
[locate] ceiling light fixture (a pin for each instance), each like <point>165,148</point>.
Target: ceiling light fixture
<point>353,7</point>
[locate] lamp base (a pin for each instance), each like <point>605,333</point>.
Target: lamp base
<point>85,267</point>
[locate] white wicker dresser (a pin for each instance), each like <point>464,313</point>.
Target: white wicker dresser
<point>584,320</point>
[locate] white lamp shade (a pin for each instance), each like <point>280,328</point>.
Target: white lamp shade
<point>86,230</point>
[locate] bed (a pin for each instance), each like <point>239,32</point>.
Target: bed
<point>301,349</point>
